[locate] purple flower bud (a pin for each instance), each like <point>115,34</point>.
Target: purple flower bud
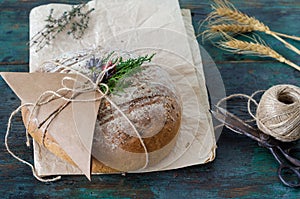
<point>94,63</point>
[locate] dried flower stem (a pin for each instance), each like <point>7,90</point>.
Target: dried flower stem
<point>255,48</point>
<point>75,20</point>
<point>226,18</point>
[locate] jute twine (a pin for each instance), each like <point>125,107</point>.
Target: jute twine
<point>48,96</point>
<point>278,111</point>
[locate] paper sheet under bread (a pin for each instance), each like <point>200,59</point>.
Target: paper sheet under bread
<point>148,26</point>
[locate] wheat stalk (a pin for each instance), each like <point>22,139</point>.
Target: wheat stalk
<point>225,17</point>
<point>287,36</point>
<point>231,28</point>
<point>228,13</point>
<point>253,47</point>
<point>214,30</point>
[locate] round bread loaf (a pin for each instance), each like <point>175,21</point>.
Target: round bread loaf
<point>149,100</point>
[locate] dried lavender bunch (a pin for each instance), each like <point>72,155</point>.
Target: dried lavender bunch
<point>76,21</point>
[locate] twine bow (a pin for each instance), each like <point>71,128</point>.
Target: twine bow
<point>46,97</point>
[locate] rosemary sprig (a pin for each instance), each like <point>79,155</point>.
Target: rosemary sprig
<point>75,20</point>
<point>118,68</point>
<point>125,67</point>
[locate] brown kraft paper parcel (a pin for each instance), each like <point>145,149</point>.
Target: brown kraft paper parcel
<point>150,27</point>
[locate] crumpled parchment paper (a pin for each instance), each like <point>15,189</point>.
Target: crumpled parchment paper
<point>142,27</point>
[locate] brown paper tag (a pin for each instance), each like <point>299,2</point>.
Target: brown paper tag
<point>73,127</point>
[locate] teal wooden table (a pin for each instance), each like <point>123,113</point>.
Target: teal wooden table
<point>241,169</point>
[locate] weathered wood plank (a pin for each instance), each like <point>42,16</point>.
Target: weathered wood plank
<point>241,169</point>
<point>281,17</point>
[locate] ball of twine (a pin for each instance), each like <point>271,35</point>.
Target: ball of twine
<point>278,112</point>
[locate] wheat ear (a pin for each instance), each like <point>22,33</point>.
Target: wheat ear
<point>214,30</point>
<point>255,48</point>
<point>225,12</point>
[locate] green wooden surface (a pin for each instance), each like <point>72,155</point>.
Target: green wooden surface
<point>241,168</point>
